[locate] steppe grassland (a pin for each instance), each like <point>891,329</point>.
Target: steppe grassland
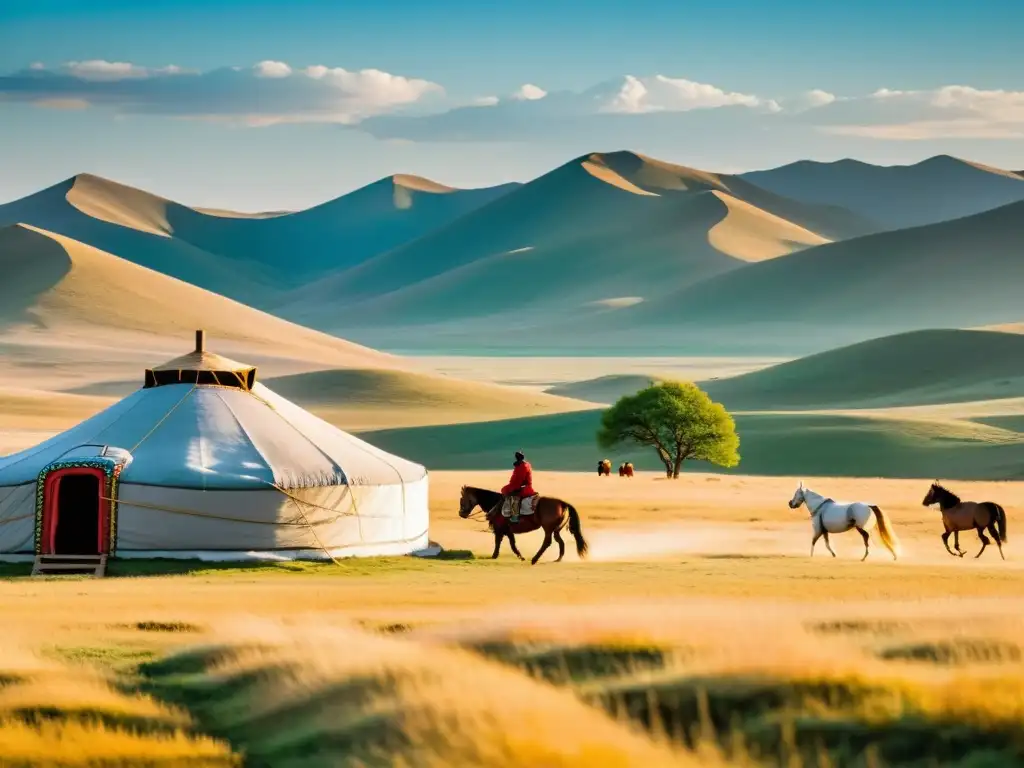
<point>700,605</point>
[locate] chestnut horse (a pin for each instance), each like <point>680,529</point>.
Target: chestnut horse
<point>604,468</point>
<point>960,515</point>
<point>626,470</point>
<point>549,513</point>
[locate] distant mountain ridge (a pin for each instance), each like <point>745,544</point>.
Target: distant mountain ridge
<point>898,196</point>
<point>602,226</point>
<point>961,273</point>
<point>607,243</point>
<point>247,257</point>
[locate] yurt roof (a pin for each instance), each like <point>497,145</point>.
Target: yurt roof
<point>196,434</point>
<point>202,367</point>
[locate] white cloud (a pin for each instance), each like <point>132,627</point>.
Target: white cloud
<point>36,66</point>
<point>100,70</point>
<point>818,98</point>
<point>272,69</point>
<point>999,106</point>
<point>268,92</point>
<point>952,111</point>
<point>529,92</point>
<point>485,101</point>
<point>671,94</point>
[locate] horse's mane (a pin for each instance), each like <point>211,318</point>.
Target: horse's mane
<point>481,492</point>
<point>946,494</point>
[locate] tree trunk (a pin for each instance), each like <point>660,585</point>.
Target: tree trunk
<point>676,468</point>
<point>668,470</point>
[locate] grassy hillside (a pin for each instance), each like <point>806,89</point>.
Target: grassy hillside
<point>924,367</point>
<point>870,445</point>
<point>934,190</point>
<point>604,389</point>
<point>959,273</point>
<point>361,399</point>
<point>601,228</point>
<point>916,368</point>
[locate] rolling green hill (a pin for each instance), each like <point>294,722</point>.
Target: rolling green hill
<point>770,444</point>
<point>919,368</point>
<point>916,368</point>
<point>603,389</point>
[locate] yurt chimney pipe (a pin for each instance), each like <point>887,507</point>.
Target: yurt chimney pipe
<point>200,341</point>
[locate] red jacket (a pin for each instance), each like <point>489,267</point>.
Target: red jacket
<point>521,475</point>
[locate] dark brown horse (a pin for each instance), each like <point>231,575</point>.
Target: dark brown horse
<point>549,513</point>
<point>604,468</point>
<point>960,515</point>
<point>626,470</point>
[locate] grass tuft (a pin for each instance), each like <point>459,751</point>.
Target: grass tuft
<point>958,651</point>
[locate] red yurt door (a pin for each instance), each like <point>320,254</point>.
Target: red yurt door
<point>75,512</point>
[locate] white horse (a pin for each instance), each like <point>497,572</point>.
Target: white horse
<point>828,516</point>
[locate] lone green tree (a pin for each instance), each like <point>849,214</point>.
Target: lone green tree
<point>678,420</point>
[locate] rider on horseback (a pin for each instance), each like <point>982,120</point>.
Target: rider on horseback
<point>520,484</point>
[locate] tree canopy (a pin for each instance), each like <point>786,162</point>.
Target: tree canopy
<point>678,420</point>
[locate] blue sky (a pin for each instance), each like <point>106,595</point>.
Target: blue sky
<point>282,104</point>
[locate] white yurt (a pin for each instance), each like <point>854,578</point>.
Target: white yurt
<point>204,462</point>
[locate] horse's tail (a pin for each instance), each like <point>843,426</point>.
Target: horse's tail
<point>886,531</point>
<point>1000,515</point>
<point>576,529</point>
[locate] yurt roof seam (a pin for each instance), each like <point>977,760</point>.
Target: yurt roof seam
<point>339,471</point>
<point>162,420</point>
<point>304,436</point>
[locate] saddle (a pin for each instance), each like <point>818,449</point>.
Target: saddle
<point>517,506</point>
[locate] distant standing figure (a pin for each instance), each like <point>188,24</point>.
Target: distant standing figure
<point>604,468</point>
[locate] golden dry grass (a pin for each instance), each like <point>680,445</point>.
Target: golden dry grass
<point>700,604</point>
<point>54,713</point>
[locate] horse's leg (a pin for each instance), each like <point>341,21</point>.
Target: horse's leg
<point>814,541</point>
<point>956,543</point>
<point>864,535</point>
<point>512,543</point>
<point>945,543</point>
<point>544,545</point>
<point>827,544</point>
<point>498,536</point>
<point>984,541</point>
<point>561,545</point>
<point>995,535</point>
